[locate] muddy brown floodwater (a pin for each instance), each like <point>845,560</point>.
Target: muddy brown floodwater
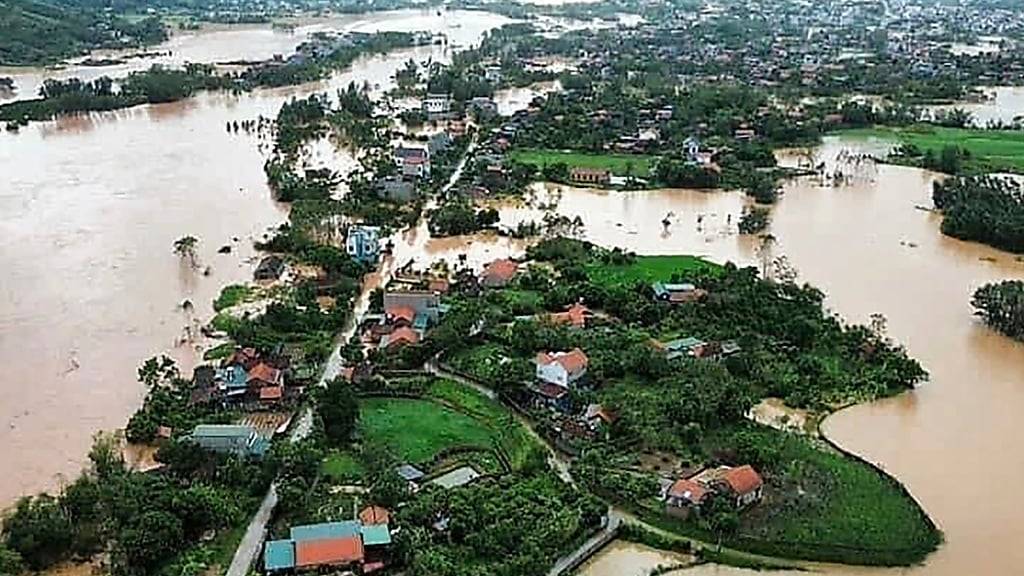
<point>89,209</point>
<point>870,248</point>
<point>90,206</point>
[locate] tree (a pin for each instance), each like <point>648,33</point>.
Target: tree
<point>156,371</point>
<point>39,531</point>
<point>339,411</point>
<point>10,562</point>
<point>185,247</point>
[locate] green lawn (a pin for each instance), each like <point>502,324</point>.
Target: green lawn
<point>993,150</point>
<point>617,163</point>
<point>342,467</point>
<point>510,434</point>
<point>417,430</point>
<point>646,269</point>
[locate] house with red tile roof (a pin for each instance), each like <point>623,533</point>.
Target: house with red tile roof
<point>400,315</point>
<point>312,554</point>
<point>403,336</point>
<point>562,368</point>
<point>499,273</point>
<point>743,484</point>
<point>685,495</point>
<point>263,374</point>
<point>373,515</point>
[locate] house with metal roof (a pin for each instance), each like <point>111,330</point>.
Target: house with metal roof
<point>230,439</point>
<point>326,530</point>
<point>279,555</point>
<point>376,535</point>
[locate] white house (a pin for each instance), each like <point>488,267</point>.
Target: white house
<point>562,368</point>
<point>437,104</point>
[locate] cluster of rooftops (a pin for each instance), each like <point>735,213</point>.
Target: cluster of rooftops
<point>351,543</point>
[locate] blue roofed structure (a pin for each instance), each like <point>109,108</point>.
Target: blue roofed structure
<point>233,378</point>
<point>376,535</point>
<point>279,555</point>
<point>326,530</point>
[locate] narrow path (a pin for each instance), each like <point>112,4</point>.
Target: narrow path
<point>415,239</point>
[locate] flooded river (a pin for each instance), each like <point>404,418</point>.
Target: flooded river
<point>89,209</point>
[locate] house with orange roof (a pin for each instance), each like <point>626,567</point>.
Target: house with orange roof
<point>400,315</point>
<point>685,495</point>
<point>742,484</point>
<point>263,374</point>
<point>562,368</point>
<point>373,515</point>
<point>401,337</point>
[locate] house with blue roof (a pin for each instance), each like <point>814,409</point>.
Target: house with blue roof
<point>683,347</point>
<point>376,535</point>
<point>232,380</point>
<point>326,530</point>
<point>279,555</point>
<point>675,293</point>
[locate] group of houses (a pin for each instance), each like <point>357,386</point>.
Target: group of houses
<point>741,485</point>
<point>246,378</point>
<point>361,544</point>
<point>412,305</point>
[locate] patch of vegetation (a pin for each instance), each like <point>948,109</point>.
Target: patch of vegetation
<point>989,210</point>
<point>512,525</point>
<point>646,269</point>
<point>1001,306</point>
<point>342,466</point>
<point>417,430</point>
<point>637,165</point>
<point>821,505</point>
<point>34,32</point>
<point>231,296</point>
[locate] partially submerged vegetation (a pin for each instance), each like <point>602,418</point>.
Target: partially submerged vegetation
<point>989,210</point>
<point>1001,306</point>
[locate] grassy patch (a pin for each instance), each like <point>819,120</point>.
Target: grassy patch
<point>231,296</point>
<point>646,269</point>
<point>417,430</point>
<point>617,163</point>
<point>342,467</point>
<point>991,150</point>
<point>510,435</point>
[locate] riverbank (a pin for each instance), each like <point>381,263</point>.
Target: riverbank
<point>988,150</point>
